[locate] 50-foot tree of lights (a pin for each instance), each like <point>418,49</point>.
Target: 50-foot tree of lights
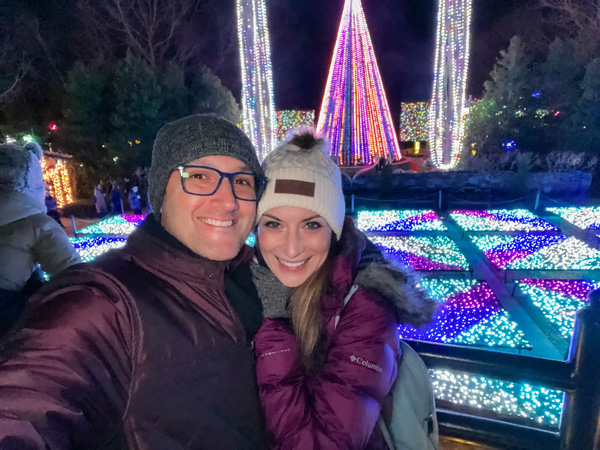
<point>446,114</point>
<point>258,108</point>
<point>355,116</point>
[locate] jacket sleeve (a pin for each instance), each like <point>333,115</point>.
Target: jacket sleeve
<point>52,249</point>
<point>338,406</point>
<point>64,377</point>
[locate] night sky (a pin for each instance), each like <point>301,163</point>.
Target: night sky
<point>303,34</point>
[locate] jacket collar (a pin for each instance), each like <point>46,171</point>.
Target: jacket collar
<point>157,250</point>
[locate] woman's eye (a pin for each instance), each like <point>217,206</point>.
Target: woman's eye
<point>272,224</point>
<point>313,225</point>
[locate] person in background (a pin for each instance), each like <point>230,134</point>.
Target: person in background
<point>115,199</point>
<point>28,237</point>
<point>135,200</point>
<point>100,201</point>
<point>52,207</point>
<point>148,347</point>
<point>324,366</point>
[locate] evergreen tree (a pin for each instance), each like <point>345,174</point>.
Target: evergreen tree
<point>210,96</point>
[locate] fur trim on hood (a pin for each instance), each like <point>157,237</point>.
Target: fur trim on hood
<point>401,286</point>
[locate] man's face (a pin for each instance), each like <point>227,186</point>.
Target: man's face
<point>214,226</point>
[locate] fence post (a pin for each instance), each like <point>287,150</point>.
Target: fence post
<point>580,421</point>
<point>440,200</point>
<point>537,201</point>
<point>74,227</point>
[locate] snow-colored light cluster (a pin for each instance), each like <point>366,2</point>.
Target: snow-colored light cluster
<point>500,220</point>
<point>123,225</point>
<point>582,217</point>
<point>399,220</point>
<point>90,248</point>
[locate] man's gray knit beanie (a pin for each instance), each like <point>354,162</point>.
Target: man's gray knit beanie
<point>184,140</point>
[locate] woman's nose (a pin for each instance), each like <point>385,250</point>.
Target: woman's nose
<point>293,244</point>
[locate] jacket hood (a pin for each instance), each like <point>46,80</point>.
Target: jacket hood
<point>368,268</point>
<point>16,206</point>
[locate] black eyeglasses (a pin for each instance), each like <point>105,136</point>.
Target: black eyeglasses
<point>202,180</point>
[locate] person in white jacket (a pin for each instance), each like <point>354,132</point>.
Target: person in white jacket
<point>28,237</point>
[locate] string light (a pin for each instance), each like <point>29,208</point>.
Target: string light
<point>529,252</point>
<point>500,220</point>
<point>559,300</point>
<point>355,116</point>
<point>582,217</point>
<point>447,114</point>
<point>90,248</point>
<point>123,224</point>
<point>289,121</point>
<point>541,406</point>
<point>56,177</point>
<point>399,220</point>
<point>414,122</point>
<point>422,253</point>
<point>470,314</point>
<point>258,107</point>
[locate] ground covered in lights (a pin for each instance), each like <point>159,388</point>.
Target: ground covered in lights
<point>470,312</point>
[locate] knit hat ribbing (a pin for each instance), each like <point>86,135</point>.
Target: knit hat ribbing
<point>184,140</point>
<point>304,178</point>
<point>21,170</point>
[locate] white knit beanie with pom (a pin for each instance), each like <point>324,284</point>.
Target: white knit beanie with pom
<point>304,178</point>
<point>21,170</point>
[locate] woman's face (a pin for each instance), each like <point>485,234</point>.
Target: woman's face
<point>294,243</point>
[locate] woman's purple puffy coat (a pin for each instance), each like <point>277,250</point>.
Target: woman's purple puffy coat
<point>338,407</point>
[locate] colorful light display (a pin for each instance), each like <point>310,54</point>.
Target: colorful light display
<point>56,177</point>
<point>422,253</point>
<point>399,220</point>
<point>123,224</point>
<point>414,122</point>
<point>528,252</point>
<point>500,220</point>
<point>355,116</point>
<point>540,405</point>
<point>559,300</point>
<point>447,112</point>
<point>258,107</point>
<point>289,121</point>
<point>582,217</point>
<point>90,248</point>
<point>470,314</point>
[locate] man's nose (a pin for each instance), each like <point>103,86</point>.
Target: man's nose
<point>224,196</point>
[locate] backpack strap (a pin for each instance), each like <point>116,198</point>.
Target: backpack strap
<point>353,289</point>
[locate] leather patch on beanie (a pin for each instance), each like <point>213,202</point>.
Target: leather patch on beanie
<point>295,187</point>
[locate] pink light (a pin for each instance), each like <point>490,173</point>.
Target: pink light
<point>52,126</point>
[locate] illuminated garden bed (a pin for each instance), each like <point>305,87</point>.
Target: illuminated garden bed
<point>399,220</point>
<point>470,314</point>
<point>538,405</point>
<point>500,220</point>
<point>582,217</point>
<point>89,248</point>
<point>558,300</point>
<point>530,252</point>
<point>123,225</point>
<point>422,253</point>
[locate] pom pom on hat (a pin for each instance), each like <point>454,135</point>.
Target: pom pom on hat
<point>304,178</point>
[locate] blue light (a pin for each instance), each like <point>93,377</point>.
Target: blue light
<point>509,145</point>
<point>536,94</point>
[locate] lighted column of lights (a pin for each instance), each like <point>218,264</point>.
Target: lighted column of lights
<point>447,111</point>
<point>355,116</point>
<point>258,107</point>
<point>290,121</point>
<point>399,220</point>
<point>559,300</point>
<point>422,253</point>
<point>470,314</point>
<point>56,178</point>
<point>500,220</point>
<point>529,252</point>
<point>582,217</point>
<point>90,248</point>
<point>123,224</point>
<point>414,122</point>
<point>541,406</point>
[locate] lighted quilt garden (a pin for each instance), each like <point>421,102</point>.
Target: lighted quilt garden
<point>464,257</point>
